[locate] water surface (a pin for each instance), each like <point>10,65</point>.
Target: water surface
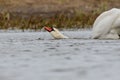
<point>37,56</point>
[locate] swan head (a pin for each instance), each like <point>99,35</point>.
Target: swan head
<point>55,32</point>
<point>49,29</point>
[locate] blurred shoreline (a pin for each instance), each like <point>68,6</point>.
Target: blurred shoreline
<point>34,14</point>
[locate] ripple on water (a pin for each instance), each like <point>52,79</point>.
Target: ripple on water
<point>27,50</point>
<point>63,69</point>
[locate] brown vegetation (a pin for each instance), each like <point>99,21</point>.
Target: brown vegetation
<point>34,14</point>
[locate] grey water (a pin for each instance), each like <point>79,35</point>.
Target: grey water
<point>37,56</point>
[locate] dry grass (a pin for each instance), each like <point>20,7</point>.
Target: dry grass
<point>34,14</point>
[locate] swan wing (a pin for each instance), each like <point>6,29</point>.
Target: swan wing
<point>104,23</point>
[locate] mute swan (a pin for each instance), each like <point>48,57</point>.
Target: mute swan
<point>107,25</point>
<point>55,33</point>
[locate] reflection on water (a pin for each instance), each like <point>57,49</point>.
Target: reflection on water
<point>37,56</point>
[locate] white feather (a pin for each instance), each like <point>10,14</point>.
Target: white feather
<point>107,25</point>
<point>57,35</point>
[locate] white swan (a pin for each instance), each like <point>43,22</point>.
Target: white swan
<point>107,25</point>
<point>55,33</point>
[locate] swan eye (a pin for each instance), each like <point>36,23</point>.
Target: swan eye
<point>49,29</point>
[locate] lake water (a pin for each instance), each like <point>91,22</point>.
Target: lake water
<point>37,56</point>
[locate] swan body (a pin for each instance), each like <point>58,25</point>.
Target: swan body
<point>55,33</point>
<point>107,25</point>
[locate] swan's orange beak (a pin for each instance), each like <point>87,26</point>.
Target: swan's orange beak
<point>49,29</point>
